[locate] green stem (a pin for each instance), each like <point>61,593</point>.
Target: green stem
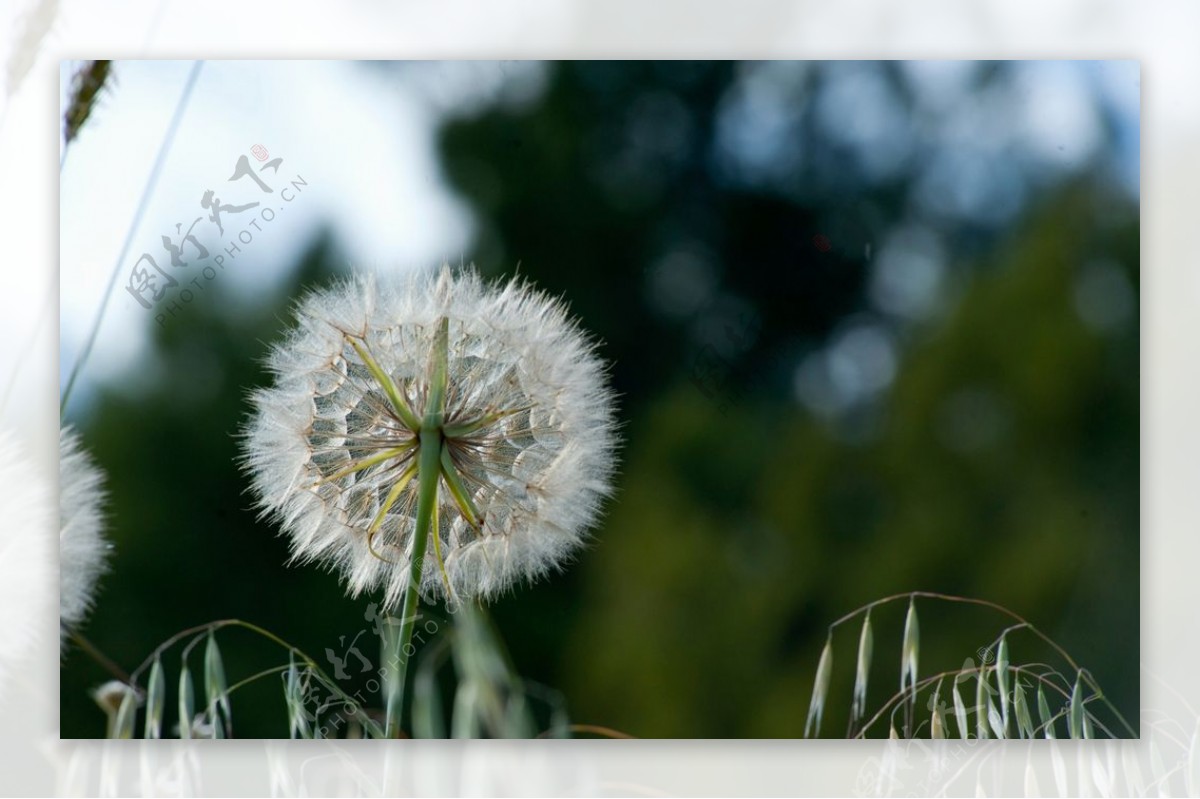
<point>394,396</point>
<point>439,367</point>
<point>462,497</point>
<point>464,429</point>
<point>365,463</point>
<point>92,651</point>
<point>428,471</point>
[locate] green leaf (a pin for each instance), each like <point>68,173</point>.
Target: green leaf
<point>427,700</point>
<point>464,724</point>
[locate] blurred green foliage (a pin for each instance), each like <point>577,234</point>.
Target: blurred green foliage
<point>1001,462</point>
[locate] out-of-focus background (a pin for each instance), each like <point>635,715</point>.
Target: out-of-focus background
<point>874,327</point>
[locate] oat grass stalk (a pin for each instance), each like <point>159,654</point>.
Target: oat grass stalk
<point>215,717</point>
<point>1001,703</point>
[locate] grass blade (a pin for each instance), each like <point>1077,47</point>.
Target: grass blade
<point>465,722</point>
<point>427,718</point>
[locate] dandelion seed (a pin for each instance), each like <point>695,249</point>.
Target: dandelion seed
<point>376,372</point>
<point>83,549</point>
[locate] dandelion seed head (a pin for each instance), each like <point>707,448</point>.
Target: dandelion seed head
<point>26,533</point>
<point>527,433</point>
<point>83,548</point>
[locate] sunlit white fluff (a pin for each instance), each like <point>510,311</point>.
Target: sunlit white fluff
<point>536,475</point>
<point>83,548</point>
<point>26,536</point>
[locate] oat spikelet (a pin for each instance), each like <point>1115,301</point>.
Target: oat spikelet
<point>527,434</point>
<point>86,87</point>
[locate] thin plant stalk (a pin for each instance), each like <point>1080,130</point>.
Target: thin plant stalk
<point>134,224</point>
<point>428,473</point>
